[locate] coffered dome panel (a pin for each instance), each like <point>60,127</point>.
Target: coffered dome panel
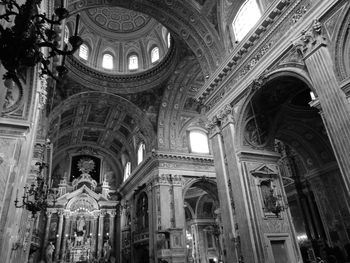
<point>117,19</point>
<point>121,34</point>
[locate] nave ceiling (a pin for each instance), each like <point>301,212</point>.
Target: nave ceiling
<point>111,112</point>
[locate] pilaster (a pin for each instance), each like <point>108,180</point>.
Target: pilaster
<point>335,107</point>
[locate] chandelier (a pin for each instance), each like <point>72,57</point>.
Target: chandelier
<point>38,195</point>
<point>21,45</point>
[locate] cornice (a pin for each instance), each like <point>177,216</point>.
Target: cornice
<point>160,155</point>
<point>241,78</point>
<point>152,161</point>
<point>123,83</point>
<point>242,51</point>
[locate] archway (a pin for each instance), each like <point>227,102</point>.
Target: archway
<point>203,226</point>
<point>279,118</point>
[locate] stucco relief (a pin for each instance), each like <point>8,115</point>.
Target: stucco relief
<point>13,98</point>
<point>7,150</point>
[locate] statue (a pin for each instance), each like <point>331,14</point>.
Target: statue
<point>106,251</point>
<point>81,224</point>
<point>49,252</point>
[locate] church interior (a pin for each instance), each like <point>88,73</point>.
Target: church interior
<point>175,131</point>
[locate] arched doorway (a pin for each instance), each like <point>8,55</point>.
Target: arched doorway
<point>279,117</point>
<point>203,226</point>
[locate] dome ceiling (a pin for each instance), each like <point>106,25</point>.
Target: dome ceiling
<point>117,19</point>
<point>120,33</point>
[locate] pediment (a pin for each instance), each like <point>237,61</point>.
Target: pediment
<point>82,191</point>
<point>264,171</point>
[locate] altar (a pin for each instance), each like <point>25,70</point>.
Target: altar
<point>83,224</point>
<point>80,254</point>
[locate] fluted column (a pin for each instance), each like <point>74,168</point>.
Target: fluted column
<point>59,236</point>
<point>65,235</point>
<point>111,228</point>
<point>335,107</point>
<point>47,231</point>
<point>100,234</point>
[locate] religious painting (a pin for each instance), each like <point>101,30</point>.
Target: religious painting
<point>85,164</point>
<point>53,227</point>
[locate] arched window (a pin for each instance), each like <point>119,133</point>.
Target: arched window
<point>199,141</point>
<point>127,170</point>
<point>154,54</point>
<point>107,61</point>
<point>133,62</point>
<point>66,34</point>
<point>247,16</point>
<point>84,51</point>
<point>168,40</point>
<point>140,152</point>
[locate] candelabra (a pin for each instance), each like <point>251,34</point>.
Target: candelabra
<point>22,44</point>
<point>38,195</point>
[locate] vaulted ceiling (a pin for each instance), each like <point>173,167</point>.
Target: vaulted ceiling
<point>107,113</point>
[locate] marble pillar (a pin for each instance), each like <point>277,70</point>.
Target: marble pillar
<point>47,232</point>
<point>59,236</point>
<point>65,235</point>
<point>111,229</point>
<point>94,235</point>
<point>100,234</point>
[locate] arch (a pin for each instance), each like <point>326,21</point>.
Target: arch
<point>207,184</point>
<point>342,45</point>
<point>174,97</point>
<point>295,72</point>
<point>133,61</point>
<point>127,170</point>
<point>114,102</point>
<point>141,149</point>
<point>207,47</point>
<point>155,54</point>
<point>105,154</point>
<point>90,203</point>
<point>107,61</point>
<point>84,52</point>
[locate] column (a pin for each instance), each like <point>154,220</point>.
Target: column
<point>100,234</point>
<point>47,231</point>
<point>335,107</point>
<point>65,235</point>
<point>111,229</point>
<point>228,201</point>
<point>94,235</point>
<point>59,236</point>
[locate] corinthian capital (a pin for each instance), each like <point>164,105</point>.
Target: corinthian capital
<point>310,39</point>
<point>225,116</point>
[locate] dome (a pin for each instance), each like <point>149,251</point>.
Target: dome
<point>119,41</point>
